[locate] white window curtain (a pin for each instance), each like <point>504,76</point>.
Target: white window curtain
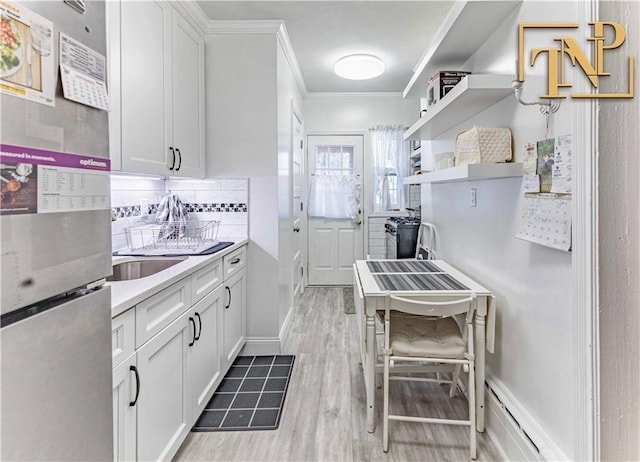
<point>334,196</point>
<point>390,165</point>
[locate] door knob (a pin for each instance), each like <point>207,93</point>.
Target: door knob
<point>296,229</point>
<point>358,222</point>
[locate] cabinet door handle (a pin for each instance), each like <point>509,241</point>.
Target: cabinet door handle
<point>192,321</point>
<point>199,325</point>
<point>235,260</point>
<point>229,302</point>
<point>173,157</point>
<point>179,159</point>
<point>135,371</point>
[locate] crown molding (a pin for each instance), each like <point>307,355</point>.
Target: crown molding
<point>287,48</point>
<point>243,26</point>
<point>191,9</point>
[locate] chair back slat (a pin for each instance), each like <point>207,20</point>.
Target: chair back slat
<point>428,307</point>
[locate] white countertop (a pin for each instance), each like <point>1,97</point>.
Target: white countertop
<point>126,294</point>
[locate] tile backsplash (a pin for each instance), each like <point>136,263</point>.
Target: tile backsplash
<point>221,199</point>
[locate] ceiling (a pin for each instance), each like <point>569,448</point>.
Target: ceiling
<point>321,32</point>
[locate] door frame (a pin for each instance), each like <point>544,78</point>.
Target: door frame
<point>585,266</point>
<point>365,203</point>
<point>297,114</point>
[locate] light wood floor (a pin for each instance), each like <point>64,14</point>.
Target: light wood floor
<point>324,416</point>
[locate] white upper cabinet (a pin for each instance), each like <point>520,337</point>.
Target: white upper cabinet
<point>188,98</point>
<point>156,82</point>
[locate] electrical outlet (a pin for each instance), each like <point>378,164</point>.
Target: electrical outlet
<point>473,198</point>
<point>144,206</point>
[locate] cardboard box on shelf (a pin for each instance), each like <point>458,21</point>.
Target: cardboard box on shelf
<point>442,83</point>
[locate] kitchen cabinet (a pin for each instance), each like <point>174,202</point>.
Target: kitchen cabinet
<point>124,410</point>
<point>234,322</point>
<point>204,356</point>
<point>164,413</point>
<point>156,81</point>
<point>170,352</point>
<point>159,310</point>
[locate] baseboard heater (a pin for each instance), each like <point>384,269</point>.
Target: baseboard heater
<point>498,405</point>
<point>508,434</point>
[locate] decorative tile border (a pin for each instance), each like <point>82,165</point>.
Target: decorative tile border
<point>222,207</point>
<point>134,210</point>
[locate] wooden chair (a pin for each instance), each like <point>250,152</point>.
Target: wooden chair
<point>421,332</point>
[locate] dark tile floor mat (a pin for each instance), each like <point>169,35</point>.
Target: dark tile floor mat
<point>250,397</point>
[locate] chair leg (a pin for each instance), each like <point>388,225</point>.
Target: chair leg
<point>472,410</point>
<point>385,405</point>
<point>454,380</point>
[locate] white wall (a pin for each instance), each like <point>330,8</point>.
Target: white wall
<point>619,249</point>
<point>533,365</point>
<point>355,113</point>
<point>241,134</point>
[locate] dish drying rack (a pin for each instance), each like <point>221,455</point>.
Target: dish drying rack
<point>172,238</point>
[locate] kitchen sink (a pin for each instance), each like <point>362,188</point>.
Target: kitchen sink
<point>142,267</point>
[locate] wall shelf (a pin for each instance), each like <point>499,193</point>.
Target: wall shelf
<point>451,47</point>
<point>473,94</point>
<point>470,172</point>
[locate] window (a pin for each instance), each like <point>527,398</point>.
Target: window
<point>334,191</point>
<point>334,160</point>
<point>389,168</point>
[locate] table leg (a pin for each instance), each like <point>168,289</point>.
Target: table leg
<point>480,321</point>
<point>369,372</point>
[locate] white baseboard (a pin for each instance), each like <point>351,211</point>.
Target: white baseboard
<point>513,429</point>
<point>286,326</point>
<point>260,346</point>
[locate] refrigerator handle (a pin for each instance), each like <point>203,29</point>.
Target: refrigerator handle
<point>192,321</point>
<point>179,159</point>
<point>135,370</point>
<point>173,157</point>
<point>200,326</point>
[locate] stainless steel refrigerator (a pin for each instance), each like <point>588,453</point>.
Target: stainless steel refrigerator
<point>56,384</point>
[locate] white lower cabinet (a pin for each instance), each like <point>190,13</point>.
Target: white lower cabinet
<point>234,314</point>
<point>164,413</point>
<point>186,337</point>
<point>124,410</point>
<point>204,356</point>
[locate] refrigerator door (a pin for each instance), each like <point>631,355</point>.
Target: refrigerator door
<point>44,254</point>
<point>47,254</point>
<point>56,382</point>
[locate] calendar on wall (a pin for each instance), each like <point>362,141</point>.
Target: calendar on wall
<point>83,73</point>
<point>545,219</point>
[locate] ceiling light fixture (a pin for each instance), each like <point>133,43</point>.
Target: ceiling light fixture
<point>359,67</point>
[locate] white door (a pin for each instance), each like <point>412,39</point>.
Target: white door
<point>334,244</point>
<point>297,174</point>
